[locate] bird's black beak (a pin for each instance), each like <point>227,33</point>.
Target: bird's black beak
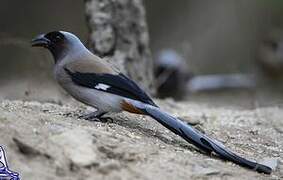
<point>40,41</point>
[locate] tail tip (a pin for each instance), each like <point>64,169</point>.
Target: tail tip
<point>263,169</point>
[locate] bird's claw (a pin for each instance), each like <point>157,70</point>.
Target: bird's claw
<point>90,117</point>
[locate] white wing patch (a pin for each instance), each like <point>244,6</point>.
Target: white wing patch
<point>102,86</point>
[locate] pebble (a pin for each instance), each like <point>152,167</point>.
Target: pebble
<point>270,162</point>
<point>109,166</point>
<point>207,171</point>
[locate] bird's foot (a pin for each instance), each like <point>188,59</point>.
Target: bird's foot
<point>96,116</point>
<point>106,119</point>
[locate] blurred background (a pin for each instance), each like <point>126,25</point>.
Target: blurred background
<point>215,50</point>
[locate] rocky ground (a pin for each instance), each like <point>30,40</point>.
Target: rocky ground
<point>49,141</point>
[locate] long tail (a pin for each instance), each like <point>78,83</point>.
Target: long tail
<point>195,137</point>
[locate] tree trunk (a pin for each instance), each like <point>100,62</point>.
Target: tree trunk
<point>118,32</point>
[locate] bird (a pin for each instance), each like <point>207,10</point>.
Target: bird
<point>92,81</point>
<point>270,55</point>
<point>172,74</point>
<point>174,79</point>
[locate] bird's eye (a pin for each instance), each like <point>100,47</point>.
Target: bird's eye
<point>58,37</point>
<point>55,37</point>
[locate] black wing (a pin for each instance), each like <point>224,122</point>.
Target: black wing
<point>116,84</point>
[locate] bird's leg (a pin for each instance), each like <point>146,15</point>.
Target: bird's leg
<point>95,116</point>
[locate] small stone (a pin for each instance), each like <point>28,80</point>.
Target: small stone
<point>270,162</point>
<point>201,171</point>
<point>109,166</point>
<point>132,135</point>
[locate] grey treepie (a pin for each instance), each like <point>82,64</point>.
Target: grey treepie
<point>92,81</point>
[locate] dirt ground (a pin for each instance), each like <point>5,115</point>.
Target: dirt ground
<point>49,141</point>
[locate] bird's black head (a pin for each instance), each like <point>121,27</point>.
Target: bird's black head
<point>54,41</point>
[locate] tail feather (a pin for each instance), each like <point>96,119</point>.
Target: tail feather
<point>200,140</point>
